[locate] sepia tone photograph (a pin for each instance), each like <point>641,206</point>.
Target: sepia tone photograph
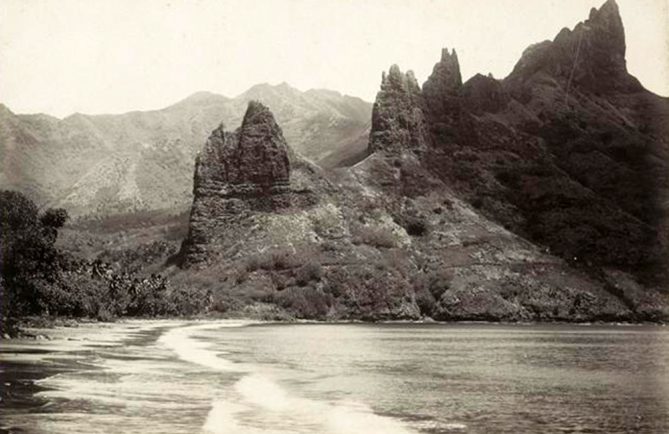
<point>334,216</point>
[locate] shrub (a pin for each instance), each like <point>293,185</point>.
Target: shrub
<point>306,302</point>
<point>38,279</point>
<point>29,262</point>
<point>276,259</point>
<point>136,259</point>
<point>335,289</point>
<point>311,271</point>
<point>325,224</point>
<point>416,228</point>
<point>435,283</point>
<point>375,236</point>
<point>425,301</point>
<point>328,246</point>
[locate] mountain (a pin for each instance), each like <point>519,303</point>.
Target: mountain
<point>542,196</point>
<point>103,165</point>
<point>569,150</point>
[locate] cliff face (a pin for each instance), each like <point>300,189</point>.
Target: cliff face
<point>256,154</point>
<point>569,150</point>
<point>237,174</point>
<point>591,55</point>
<point>398,121</point>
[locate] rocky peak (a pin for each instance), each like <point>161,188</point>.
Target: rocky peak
<point>267,92</point>
<point>397,117</point>
<point>484,94</point>
<point>601,34</point>
<point>239,174</point>
<point>203,97</point>
<point>443,87</point>
<point>445,78</point>
<point>263,152</point>
<point>591,56</point>
<point>397,81</point>
<point>254,154</point>
<point>608,18</point>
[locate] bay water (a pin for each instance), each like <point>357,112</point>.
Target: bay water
<point>243,377</point>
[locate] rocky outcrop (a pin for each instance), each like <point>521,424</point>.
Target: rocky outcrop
<point>236,174</point>
<point>484,94</point>
<point>591,55</point>
<point>256,154</point>
<point>566,151</point>
<point>273,228</point>
<point>398,122</point>
<point>445,78</point>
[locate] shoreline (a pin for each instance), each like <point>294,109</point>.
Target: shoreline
<point>33,327</point>
<point>52,346</point>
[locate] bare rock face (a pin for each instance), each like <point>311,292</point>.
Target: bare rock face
<point>445,78</point>
<point>255,154</point>
<point>237,174</point>
<point>591,55</point>
<point>398,122</point>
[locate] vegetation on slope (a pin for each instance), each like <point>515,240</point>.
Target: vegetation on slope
<point>39,279</point>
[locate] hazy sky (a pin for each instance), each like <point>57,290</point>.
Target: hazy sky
<point>95,56</point>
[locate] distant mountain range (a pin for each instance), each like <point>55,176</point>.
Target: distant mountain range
<point>101,165</point>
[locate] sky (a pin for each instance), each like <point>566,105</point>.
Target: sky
<point>111,56</point>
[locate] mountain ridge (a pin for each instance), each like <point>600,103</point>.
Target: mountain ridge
<point>163,142</point>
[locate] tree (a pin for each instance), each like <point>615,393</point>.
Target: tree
<point>28,257</point>
<point>54,218</point>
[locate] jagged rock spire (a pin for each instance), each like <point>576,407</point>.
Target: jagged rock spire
<point>396,80</point>
<point>263,153</point>
<point>445,78</point>
<point>238,173</point>
<point>397,117</point>
<point>443,87</point>
<point>254,154</point>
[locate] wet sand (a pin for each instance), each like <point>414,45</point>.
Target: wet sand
<point>45,352</point>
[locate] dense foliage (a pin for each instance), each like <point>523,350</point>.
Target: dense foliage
<point>38,279</point>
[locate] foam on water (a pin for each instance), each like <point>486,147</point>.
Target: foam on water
<point>181,341</point>
<point>274,411</point>
<point>257,404</point>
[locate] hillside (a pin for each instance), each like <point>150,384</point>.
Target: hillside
<point>569,150</point>
<point>538,197</point>
<point>106,165</point>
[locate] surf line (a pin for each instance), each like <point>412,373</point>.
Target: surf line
<point>181,341</point>
<point>257,392</point>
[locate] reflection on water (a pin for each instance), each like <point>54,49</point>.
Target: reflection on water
<point>223,377</point>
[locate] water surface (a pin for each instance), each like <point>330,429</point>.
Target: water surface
<point>232,377</point>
